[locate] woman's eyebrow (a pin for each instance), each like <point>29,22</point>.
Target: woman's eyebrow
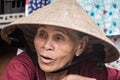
<point>41,26</point>
<point>62,31</point>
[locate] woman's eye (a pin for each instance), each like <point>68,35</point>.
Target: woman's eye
<point>42,34</point>
<point>58,37</point>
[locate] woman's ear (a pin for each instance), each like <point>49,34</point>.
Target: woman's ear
<point>81,46</point>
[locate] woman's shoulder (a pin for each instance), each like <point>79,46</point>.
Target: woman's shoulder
<point>89,68</point>
<point>113,74</point>
<point>22,59</point>
<point>21,67</point>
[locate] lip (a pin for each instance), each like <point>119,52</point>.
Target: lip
<point>46,60</point>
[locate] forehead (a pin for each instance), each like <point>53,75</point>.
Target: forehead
<point>71,33</point>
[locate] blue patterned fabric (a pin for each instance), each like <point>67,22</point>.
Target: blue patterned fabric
<point>105,13</point>
<point>35,4</point>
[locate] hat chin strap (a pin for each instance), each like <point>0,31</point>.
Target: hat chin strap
<point>18,40</point>
<point>98,51</point>
<point>76,60</point>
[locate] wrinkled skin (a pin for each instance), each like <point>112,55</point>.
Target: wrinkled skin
<point>56,48</point>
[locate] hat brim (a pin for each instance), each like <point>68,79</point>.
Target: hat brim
<point>29,30</point>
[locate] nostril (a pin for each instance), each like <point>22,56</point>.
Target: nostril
<point>48,49</point>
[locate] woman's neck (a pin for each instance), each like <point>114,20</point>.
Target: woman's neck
<point>55,76</point>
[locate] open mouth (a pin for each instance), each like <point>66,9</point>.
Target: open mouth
<point>46,60</point>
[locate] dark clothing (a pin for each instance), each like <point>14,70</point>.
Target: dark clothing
<point>22,68</point>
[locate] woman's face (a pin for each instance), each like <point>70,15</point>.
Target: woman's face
<point>55,47</point>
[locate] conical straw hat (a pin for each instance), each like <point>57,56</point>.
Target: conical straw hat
<point>67,14</point>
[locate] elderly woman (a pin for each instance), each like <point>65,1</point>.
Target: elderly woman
<point>60,42</point>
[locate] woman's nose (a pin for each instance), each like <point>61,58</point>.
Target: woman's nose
<point>48,45</point>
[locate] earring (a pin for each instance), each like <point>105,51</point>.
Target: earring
<point>77,54</point>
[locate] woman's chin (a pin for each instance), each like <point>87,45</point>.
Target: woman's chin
<point>48,68</point>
